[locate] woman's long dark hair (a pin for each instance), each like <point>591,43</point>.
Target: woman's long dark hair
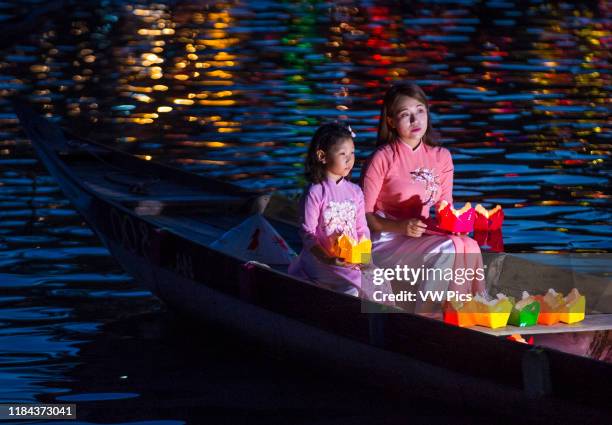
<point>387,134</point>
<point>324,138</point>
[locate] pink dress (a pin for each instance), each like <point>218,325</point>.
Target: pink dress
<point>402,183</point>
<point>329,209</point>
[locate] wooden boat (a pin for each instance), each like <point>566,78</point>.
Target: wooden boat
<point>158,222</point>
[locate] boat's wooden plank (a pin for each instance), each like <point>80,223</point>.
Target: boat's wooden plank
<point>306,302</point>
<point>593,322</point>
<point>195,230</point>
<point>169,198</point>
<point>98,178</point>
<point>161,196</point>
<point>178,176</point>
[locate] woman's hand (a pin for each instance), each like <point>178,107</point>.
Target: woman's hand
<point>414,227</point>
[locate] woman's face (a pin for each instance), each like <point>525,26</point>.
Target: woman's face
<point>409,119</point>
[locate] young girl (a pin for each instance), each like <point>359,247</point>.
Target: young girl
<point>404,178</point>
<point>331,205</point>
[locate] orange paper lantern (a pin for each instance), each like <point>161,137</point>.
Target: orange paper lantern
<point>550,307</point>
<point>459,314</point>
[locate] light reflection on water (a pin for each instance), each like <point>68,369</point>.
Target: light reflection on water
<point>236,92</point>
<point>519,94</point>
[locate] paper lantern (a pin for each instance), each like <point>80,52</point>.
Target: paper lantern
<point>488,219</point>
<point>452,220</point>
<point>525,312</point>
<point>573,308</point>
<point>352,251</point>
<point>492,313</point>
<point>550,307</point>
<point>459,314</point>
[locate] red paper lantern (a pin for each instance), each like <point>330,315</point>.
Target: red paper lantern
<point>488,219</point>
<point>452,220</point>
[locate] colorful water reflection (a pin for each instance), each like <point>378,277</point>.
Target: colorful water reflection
<point>236,90</point>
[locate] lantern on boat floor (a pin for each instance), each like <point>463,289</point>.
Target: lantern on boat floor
<point>452,220</point>
<point>525,312</point>
<point>459,313</point>
<point>492,313</point>
<point>550,307</point>
<point>573,308</point>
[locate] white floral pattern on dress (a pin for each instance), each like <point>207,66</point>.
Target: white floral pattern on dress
<point>431,181</point>
<point>339,217</point>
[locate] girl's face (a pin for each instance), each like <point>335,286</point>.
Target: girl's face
<point>340,158</point>
<point>409,119</point>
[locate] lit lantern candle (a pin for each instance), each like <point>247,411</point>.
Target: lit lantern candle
<point>488,219</point>
<point>452,220</point>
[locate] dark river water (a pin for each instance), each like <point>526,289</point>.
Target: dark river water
<point>520,93</point>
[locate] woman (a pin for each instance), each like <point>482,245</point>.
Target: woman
<point>403,179</point>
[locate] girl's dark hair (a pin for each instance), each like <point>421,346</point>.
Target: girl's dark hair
<point>324,138</point>
<point>387,134</point>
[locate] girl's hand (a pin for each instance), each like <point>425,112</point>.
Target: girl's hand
<point>332,261</point>
<point>339,262</point>
<point>360,266</point>
<point>323,256</point>
<point>414,227</point>
<point>336,261</point>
